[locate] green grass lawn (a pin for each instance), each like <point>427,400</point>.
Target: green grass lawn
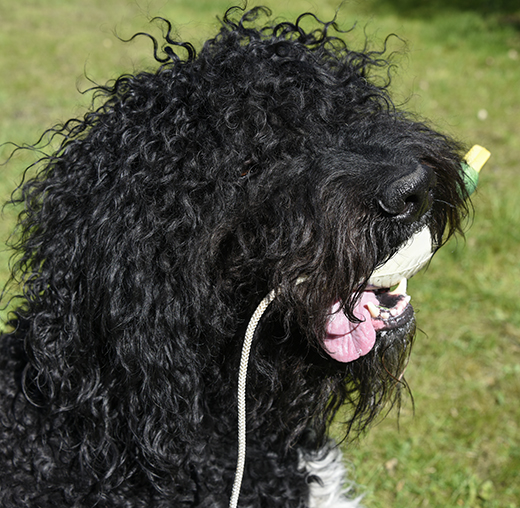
<point>459,65</point>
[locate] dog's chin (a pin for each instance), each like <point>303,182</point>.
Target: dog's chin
<point>384,317</point>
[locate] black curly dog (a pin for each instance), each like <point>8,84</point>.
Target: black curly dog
<point>271,159</point>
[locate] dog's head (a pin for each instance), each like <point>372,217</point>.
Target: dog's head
<point>272,159</point>
<point>334,180</point>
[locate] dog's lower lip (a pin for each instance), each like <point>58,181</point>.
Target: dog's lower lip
<point>390,319</point>
<point>390,309</point>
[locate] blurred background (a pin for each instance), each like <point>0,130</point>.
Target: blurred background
<point>457,444</point>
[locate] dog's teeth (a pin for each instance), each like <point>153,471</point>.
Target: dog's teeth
<point>385,315</point>
<point>401,288</point>
<point>373,309</point>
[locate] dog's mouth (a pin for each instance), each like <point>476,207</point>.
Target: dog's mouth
<point>378,310</point>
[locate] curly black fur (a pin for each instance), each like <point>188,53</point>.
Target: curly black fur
<point>151,234</point>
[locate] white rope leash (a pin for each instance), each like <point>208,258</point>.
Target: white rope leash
<point>242,376</point>
<point>241,395</point>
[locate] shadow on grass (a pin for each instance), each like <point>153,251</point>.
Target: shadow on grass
<point>413,8</point>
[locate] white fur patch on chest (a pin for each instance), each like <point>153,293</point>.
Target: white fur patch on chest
<point>328,485</point>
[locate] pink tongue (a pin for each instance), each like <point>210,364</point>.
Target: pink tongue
<point>346,341</point>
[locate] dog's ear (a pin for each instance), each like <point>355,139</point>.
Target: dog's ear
<point>114,281</point>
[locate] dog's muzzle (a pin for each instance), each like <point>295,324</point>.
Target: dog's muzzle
<point>380,309</point>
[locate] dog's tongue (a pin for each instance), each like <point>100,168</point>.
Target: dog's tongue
<point>346,341</point>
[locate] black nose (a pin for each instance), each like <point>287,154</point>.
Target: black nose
<point>409,197</point>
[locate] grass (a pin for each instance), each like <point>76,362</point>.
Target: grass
<point>460,446</point>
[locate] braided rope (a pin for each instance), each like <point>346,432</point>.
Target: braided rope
<point>241,394</point>
<point>242,376</point>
